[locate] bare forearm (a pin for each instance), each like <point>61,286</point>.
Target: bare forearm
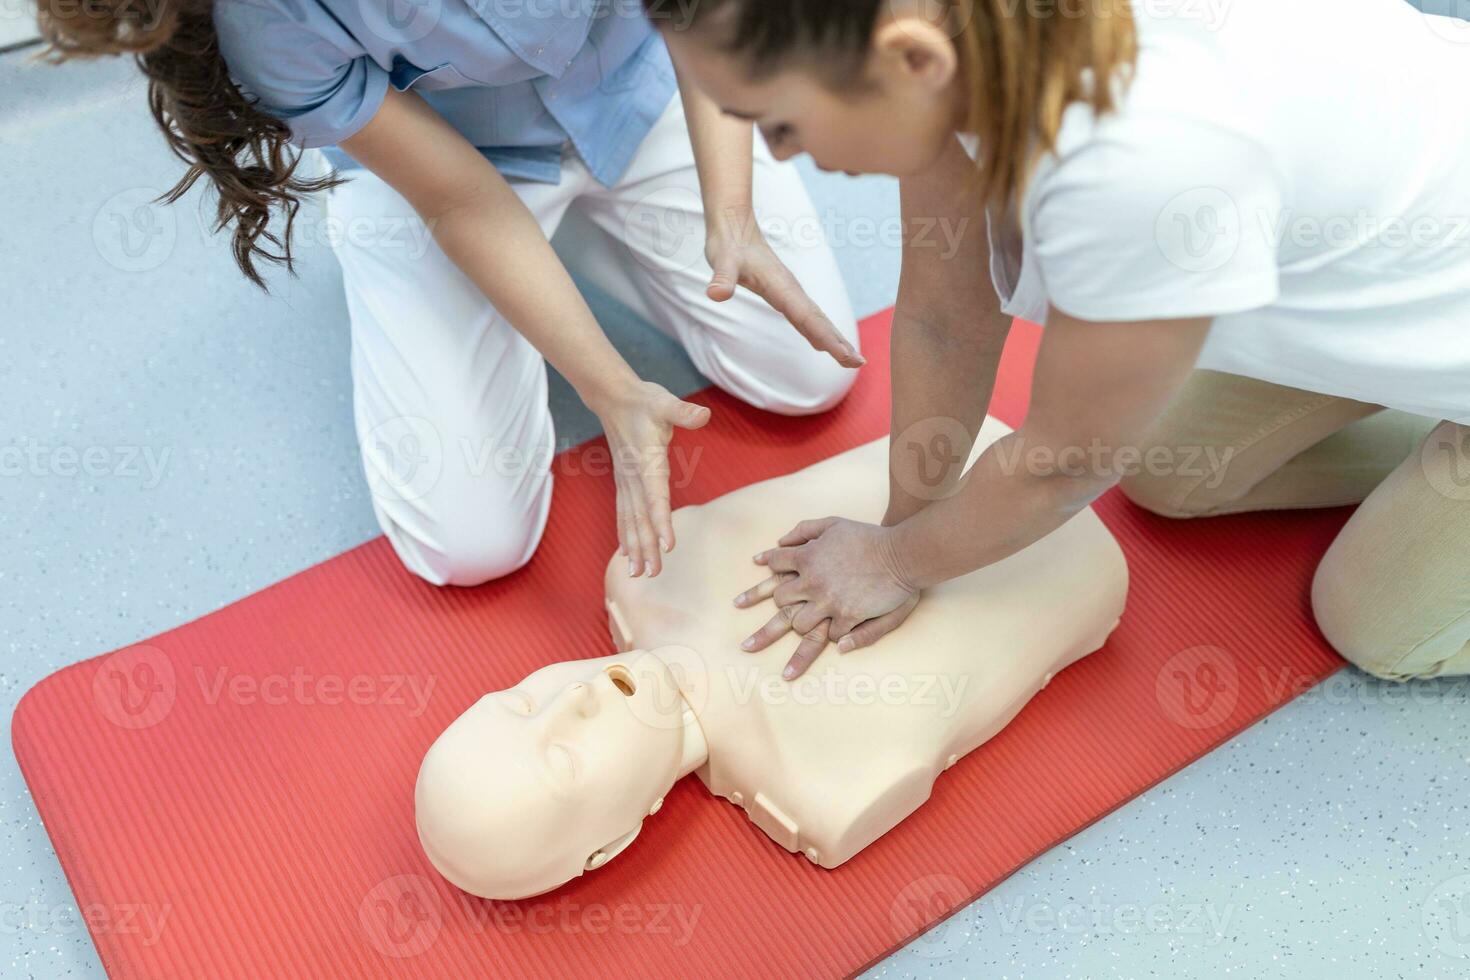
<point>1097,390</point>
<point>1006,503</point>
<point>488,232</point>
<point>499,245</point>
<point>723,148</point>
<point>948,331</point>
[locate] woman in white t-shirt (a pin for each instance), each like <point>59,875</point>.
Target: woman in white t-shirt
<point>1246,227</point>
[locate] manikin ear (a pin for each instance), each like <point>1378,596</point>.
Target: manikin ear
<point>612,849</point>
<point>915,48</point>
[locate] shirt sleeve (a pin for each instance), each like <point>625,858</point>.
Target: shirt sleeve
<point>297,64</point>
<point>1155,219</point>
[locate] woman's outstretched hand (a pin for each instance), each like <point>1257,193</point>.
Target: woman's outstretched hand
<point>739,255</point>
<point>639,422</point>
<point>832,579</point>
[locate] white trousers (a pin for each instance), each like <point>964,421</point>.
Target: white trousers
<point>450,401</point>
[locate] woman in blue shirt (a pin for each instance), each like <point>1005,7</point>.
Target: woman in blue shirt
<point>463,131</point>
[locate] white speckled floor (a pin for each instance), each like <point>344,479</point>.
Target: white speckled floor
<point>1331,840</point>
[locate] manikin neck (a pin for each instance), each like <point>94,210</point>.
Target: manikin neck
<point>696,752</point>
<point>696,746</point>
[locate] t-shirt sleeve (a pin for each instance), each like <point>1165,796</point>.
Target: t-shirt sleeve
<point>1158,219</point>
<point>297,64</point>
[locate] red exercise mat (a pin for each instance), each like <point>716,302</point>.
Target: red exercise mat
<point>234,798</point>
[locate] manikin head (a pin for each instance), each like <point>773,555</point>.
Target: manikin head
<point>534,785</point>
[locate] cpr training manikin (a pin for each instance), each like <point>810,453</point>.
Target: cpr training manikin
<point>538,784</point>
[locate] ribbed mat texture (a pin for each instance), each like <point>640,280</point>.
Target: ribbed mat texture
<point>234,798</point>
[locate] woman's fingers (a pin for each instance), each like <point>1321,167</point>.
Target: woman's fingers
<point>758,593</point>
<point>776,627</point>
<point>778,559</point>
<point>783,293</point>
<point>647,538</point>
<point>813,642</point>
<point>789,591</point>
<point>630,499</point>
<point>628,528</point>
<point>868,633</point>
<point>656,492</point>
<point>808,618</point>
<point>622,512</point>
<point>805,531</point>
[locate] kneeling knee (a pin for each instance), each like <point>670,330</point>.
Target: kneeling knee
<point>1165,495</point>
<point>1352,628</point>
<point>470,551</point>
<point>810,393</point>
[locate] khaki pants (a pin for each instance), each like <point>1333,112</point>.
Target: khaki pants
<point>1392,594</point>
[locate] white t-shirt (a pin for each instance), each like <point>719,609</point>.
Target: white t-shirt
<point>1297,169</point>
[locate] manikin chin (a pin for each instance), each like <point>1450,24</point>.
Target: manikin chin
<point>548,780</point>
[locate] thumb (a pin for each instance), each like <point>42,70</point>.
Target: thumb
<point>726,274</point>
<point>686,415</point>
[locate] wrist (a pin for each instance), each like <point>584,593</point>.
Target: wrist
<point>606,390</point>
<point>730,218</point>
<point>900,509</point>
<point>898,555</point>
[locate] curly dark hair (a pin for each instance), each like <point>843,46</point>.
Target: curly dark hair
<point>209,124</point>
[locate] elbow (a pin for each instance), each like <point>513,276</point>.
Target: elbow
<point>1070,477</point>
<point>1072,494</point>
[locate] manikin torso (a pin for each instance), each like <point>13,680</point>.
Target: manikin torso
<point>827,763</point>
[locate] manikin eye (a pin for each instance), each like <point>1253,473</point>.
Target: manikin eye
<point>559,758</point>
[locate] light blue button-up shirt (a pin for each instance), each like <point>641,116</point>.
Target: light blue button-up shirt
<point>519,78</point>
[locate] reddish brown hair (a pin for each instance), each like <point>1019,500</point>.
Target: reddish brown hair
<point>1024,61</point>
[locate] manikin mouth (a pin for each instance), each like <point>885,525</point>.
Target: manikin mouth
<point>622,679</point>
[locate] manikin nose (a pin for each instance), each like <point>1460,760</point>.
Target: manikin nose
<point>574,702</point>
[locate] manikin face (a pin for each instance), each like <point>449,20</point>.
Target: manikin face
<point>898,122</point>
<point>533,785</point>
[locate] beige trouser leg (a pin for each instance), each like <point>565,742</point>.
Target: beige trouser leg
<point>1393,592</point>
